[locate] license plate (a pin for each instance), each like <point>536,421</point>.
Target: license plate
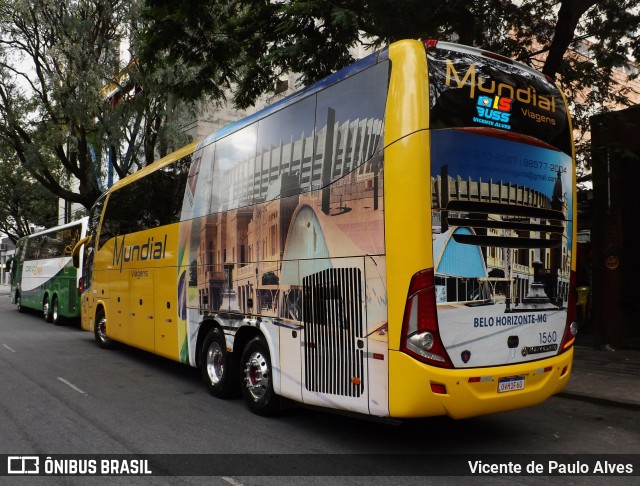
<point>511,384</point>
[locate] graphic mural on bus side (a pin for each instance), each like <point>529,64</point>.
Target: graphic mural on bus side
<point>286,209</point>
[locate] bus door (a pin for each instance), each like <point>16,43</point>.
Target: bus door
<point>117,324</point>
<point>166,313</point>
<point>290,338</point>
<point>334,343</point>
<point>16,267</point>
<point>141,332</point>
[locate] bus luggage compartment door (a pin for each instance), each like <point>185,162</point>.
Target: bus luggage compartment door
<point>334,348</point>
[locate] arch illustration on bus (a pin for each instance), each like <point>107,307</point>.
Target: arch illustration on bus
<point>43,277</point>
<point>396,240</point>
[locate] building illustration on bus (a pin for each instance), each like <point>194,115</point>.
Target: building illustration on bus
<point>395,240</point>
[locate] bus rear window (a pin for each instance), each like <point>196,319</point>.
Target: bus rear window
<point>468,89</point>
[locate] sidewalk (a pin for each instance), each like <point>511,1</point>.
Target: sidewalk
<point>599,375</point>
<point>604,376</point>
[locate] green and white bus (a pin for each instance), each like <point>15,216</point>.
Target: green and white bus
<point>43,277</point>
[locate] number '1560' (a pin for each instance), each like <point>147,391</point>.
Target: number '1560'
<point>548,337</point>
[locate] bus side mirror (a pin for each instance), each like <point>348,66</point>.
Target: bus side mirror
<point>75,253</point>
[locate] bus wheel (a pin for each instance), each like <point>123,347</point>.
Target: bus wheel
<point>19,303</point>
<point>257,381</point>
<point>55,314</point>
<point>101,331</point>
<point>219,369</point>
<point>46,310</point>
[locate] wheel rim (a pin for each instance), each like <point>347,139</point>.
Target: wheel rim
<point>55,311</point>
<point>101,329</point>
<point>45,309</point>
<point>215,363</point>
<point>256,375</point>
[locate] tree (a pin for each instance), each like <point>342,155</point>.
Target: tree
<point>25,203</point>
<point>66,103</point>
<point>251,43</point>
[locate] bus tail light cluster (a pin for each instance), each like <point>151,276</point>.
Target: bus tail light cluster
<point>571,327</point>
<point>81,284</point>
<point>431,43</point>
<point>420,334</point>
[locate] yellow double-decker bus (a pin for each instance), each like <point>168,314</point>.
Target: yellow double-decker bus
<point>396,240</point>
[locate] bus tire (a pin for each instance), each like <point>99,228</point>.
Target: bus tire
<point>46,310</point>
<point>257,379</point>
<point>100,331</point>
<point>55,312</point>
<point>218,366</point>
<point>19,302</point>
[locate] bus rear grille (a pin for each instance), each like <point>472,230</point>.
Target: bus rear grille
<point>332,314</point>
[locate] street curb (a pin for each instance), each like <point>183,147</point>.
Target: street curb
<point>598,400</point>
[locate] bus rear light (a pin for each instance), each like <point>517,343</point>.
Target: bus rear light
<point>420,334</point>
<point>478,379</point>
<point>81,284</point>
<point>438,388</point>
<point>571,326</point>
<point>430,43</point>
<point>421,341</point>
<point>539,371</point>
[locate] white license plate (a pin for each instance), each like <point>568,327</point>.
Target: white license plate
<point>511,384</point>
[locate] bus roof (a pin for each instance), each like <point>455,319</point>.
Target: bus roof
<point>158,164</point>
<point>482,52</point>
<point>344,73</point>
<point>82,221</point>
<point>332,79</point>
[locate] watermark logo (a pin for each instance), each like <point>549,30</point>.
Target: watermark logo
<point>23,465</point>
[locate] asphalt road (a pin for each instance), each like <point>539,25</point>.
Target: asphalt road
<point>61,394</point>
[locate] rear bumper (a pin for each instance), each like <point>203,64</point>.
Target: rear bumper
<point>410,393</point>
